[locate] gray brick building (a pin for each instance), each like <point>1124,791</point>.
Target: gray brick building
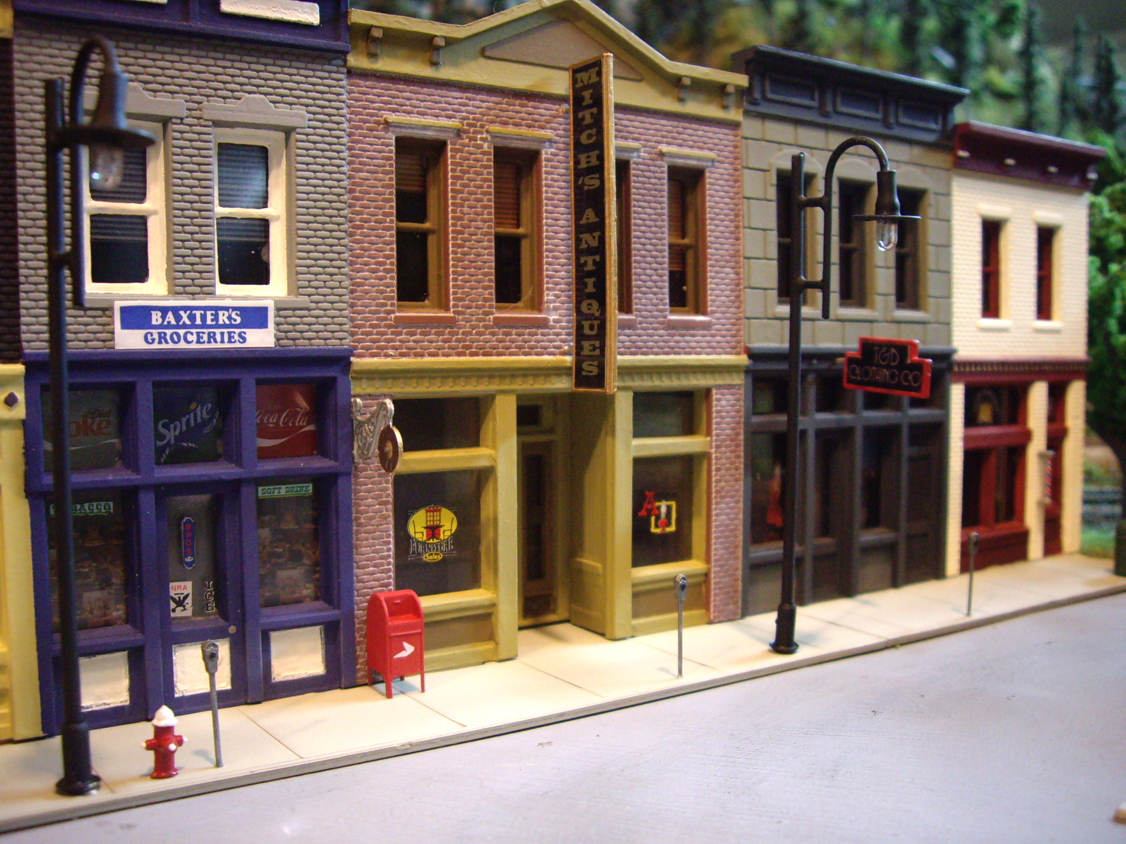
<point>873,466</point>
<point>209,406</point>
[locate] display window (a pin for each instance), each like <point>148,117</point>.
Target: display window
<point>95,430</point>
<point>286,417</point>
<point>289,554</point>
<point>662,512</point>
<point>101,552</point>
<point>187,424</point>
<point>438,531</point>
<point>663,414</point>
<point>430,424</point>
<point>767,455</point>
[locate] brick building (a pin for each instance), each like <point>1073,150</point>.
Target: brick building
<point>873,466</point>
<point>519,501</point>
<point>1017,404</point>
<point>212,465</point>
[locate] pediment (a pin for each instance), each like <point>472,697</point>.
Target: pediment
<point>557,44</point>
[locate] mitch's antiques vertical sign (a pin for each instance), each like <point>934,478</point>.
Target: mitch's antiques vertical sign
<point>592,168</point>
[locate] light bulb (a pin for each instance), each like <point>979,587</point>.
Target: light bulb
<point>107,166</point>
<point>887,234</point>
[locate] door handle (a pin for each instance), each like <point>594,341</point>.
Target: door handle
<point>233,629</point>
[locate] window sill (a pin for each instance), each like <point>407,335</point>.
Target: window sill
<point>105,300</point>
<point>1047,326</point>
<point>525,320</point>
<point>994,324</point>
<point>627,321</point>
<point>457,604</point>
<point>911,315</point>
<point>424,318</point>
<point>689,321</point>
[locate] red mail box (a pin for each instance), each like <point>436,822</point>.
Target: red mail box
<point>394,637</point>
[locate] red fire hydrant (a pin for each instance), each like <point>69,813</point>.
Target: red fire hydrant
<point>164,744</point>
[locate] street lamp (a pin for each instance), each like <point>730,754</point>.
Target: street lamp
<point>107,136</point>
<point>887,219</point>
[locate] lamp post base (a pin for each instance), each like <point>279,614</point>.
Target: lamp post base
<point>78,775</point>
<point>784,630</point>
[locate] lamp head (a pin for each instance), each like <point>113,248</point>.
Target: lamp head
<point>108,134</point>
<point>887,216</point>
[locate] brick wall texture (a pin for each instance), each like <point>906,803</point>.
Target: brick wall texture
<point>768,146</point>
<point>373,541</point>
<point>9,249</point>
<point>469,156</point>
<point>1022,206</point>
<point>724,585</point>
<point>198,71</point>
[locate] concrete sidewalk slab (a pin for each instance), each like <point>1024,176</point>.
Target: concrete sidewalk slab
<point>561,672</point>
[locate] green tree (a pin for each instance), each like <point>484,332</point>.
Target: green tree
<point>1032,64</point>
<point>1106,87</point>
<point>1073,108</point>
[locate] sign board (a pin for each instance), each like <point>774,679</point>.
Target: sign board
<point>886,365</point>
<point>193,324</point>
<point>592,190</point>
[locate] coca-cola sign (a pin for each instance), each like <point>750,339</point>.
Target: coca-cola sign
<point>287,420</point>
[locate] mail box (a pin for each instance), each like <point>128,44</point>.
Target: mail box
<point>395,637</point>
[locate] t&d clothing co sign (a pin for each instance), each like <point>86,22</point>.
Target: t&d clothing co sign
<point>194,324</point>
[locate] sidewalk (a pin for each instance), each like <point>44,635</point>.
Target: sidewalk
<point>562,672</point>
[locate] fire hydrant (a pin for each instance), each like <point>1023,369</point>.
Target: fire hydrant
<point>164,744</point>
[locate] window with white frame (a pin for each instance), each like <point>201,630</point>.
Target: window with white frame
<point>251,213</point>
<point>127,226</point>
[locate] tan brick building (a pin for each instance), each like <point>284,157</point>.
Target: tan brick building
<point>519,501</point>
<point>1017,405</point>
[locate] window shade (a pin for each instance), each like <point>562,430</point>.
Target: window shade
<point>506,195</point>
<point>243,176</point>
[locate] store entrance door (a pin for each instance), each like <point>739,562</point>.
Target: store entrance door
<point>543,592</point>
<point>198,552</point>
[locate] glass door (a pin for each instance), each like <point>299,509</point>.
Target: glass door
<point>197,532</point>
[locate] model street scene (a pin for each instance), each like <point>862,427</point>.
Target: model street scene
<point>376,378</point>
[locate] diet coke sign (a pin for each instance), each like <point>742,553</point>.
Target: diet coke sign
<point>287,420</point>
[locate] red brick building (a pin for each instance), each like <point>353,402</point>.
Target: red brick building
<point>520,501</point>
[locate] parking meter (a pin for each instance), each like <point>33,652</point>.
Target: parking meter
<point>680,589</point>
<point>971,552</point>
<point>210,651</point>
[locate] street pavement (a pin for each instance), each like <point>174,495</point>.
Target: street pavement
<point>1011,732</point>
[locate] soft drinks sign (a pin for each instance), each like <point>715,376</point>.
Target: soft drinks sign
<point>287,420</point>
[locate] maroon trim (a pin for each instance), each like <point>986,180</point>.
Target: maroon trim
<point>999,151</point>
<point>1003,543</point>
<point>980,372</point>
<point>995,436</point>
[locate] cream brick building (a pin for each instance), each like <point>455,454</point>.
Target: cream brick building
<point>1019,296</point>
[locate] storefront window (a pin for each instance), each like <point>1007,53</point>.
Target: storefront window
<point>428,424</point>
<point>662,510</point>
<point>768,395</point>
<point>287,420</point>
<point>992,406</point>
<point>99,559</point>
<point>877,475</point>
<point>187,424</point>
<point>289,553</point>
<point>768,458</point>
<point>95,430</point>
<point>663,414</point>
<point>193,575</point>
<point>438,531</point>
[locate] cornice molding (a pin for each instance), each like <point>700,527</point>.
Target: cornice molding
<point>424,376</point>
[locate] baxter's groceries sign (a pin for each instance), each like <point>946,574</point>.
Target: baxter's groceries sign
<point>193,324</point>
